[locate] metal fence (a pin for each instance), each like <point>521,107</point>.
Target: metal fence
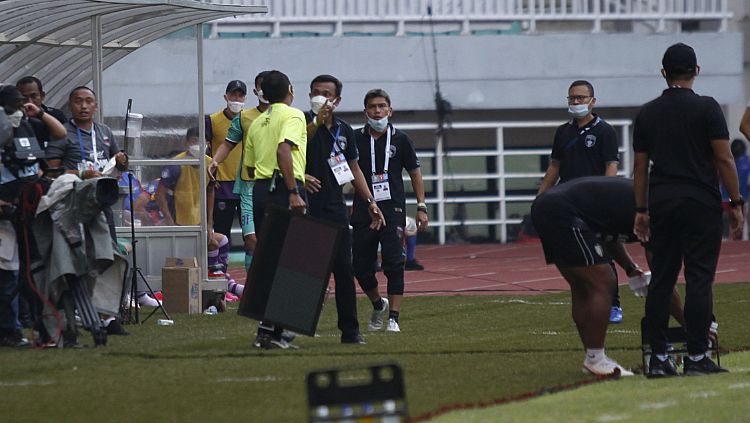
<point>469,15</point>
<point>500,198</point>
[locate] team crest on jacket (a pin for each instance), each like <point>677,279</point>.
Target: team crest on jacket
<point>342,142</point>
<point>590,141</point>
<point>392,152</point>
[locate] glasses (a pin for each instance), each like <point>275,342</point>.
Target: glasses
<point>577,98</point>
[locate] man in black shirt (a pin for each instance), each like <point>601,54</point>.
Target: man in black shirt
<point>584,146</point>
<point>31,88</point>
<point>685,137</point>
<point>331,163</point>
<point>582,225</point>
<point>386,152</point>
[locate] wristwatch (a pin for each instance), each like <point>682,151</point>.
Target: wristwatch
<point>40,113</point>
<point>293,191</point>
<point>737,203</point>
<point>422,207</point>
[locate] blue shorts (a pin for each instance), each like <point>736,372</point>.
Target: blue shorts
<point>246,206</point>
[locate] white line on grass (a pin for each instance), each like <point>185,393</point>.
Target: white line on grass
<point>657,405</point>
<point>612,417</point>
<point>740,385</point>
<point>704,394</point>
<point>527,302</point>
<point>251,379</point>
<point>27,383</point>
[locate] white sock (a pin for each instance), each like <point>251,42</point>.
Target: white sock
<point>662,357</point>
<point>235,288</point>
<point>594,355</point>
<point>698,357</point>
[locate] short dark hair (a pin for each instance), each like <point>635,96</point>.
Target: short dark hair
<point>377,92</point>
<point>260,77</point>
<point>78,88</point>
<point>30,80</point>
<point>275,86</point>
<point>328,78</point>
<point>585,83</point>
<point>192,132</point>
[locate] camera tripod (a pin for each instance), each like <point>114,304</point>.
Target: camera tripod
<point>127,314</point>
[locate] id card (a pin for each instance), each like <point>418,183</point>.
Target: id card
<point>380,189</point>
<point>340,168</point>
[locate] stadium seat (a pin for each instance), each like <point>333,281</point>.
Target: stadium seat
<point>678,338</point>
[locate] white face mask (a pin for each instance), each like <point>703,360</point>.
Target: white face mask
<point>261,98</point>
<point>317,102</point>
<point>194,150</point>
<point>235,106</point>
<point>578,110</point>
<point>378,125</point>
<point>15,118</point>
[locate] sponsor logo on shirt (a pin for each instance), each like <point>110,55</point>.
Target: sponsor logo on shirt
<point>590,141</point>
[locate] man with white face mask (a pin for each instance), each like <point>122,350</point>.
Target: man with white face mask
<point>227,203</point>
<point>384,153</point>
<point>243,184</point>
<point>332,163</point>
<point>584,146</point>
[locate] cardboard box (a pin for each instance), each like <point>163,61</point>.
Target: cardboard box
<point>181,284</point>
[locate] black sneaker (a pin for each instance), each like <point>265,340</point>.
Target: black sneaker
<point>658,368</point>
<point>413,265</point>
<point>115,328</point>
<point>14,339</point>
<point>288,335</point>
<point>353,339</point>
<point>701,367</point>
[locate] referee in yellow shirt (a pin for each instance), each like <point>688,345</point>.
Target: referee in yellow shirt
<point>275,153</point>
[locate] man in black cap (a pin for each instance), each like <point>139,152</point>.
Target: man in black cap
<point>227,203</point>
<point>678,205</point>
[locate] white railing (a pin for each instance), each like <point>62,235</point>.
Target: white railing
<point>467,15</point>
<point>438,198</point>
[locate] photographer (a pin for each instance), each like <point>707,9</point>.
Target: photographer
<point>19,169</point>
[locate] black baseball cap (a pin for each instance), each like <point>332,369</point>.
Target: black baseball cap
<point>236,85</point>
<point>679,59</point>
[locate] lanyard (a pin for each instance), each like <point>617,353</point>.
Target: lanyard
<point>335,149</point>
<point>387,151</point>
<point>93,144</point>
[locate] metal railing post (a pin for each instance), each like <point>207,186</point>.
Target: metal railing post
<point>500,146</point>
<point>439,172</point>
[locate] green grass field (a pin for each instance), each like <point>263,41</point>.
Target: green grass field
<point>454,350</point>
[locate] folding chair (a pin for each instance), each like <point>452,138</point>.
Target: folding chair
<point>678,338</point>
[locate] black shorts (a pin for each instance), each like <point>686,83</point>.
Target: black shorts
<point>569,242</point>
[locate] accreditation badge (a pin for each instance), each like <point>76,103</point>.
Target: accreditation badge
<point>381,191</point>
<point>340,168</point>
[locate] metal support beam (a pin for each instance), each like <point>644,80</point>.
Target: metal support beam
<point>96,63</point>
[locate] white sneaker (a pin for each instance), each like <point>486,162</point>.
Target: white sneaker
<point>605,367</point>
<point>146,300</point>
<point>392,326</point>
<point>377,317</point>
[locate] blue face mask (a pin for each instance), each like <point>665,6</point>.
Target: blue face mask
<point>378,125</point>
<point>578,110</point>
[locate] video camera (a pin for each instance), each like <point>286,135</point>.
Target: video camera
<point>19,151</point>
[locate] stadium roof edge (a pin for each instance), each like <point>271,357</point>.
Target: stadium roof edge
<point>67,43</point>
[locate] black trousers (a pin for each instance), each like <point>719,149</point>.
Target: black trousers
<point>262,199</point>
<point>343,276</point>
<point>365,254</point>
<point>224,213</point>
<point>683,230</point>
